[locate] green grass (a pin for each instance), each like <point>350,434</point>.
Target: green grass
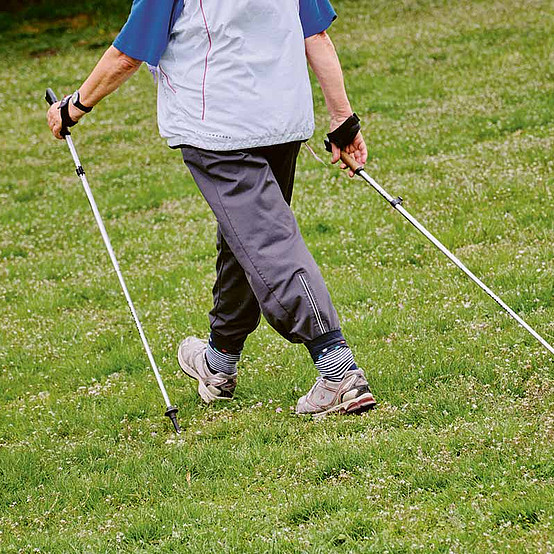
<point>456,99</point>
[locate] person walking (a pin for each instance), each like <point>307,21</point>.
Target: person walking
<point>234,96</point>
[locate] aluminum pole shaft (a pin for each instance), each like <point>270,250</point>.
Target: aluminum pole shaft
<point>111,253</point>
<point>171,411</point>
<point>396,203</point>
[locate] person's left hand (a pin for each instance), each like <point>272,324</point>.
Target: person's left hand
<point>357,149</point>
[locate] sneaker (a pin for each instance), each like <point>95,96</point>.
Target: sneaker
<point>211,386</point>
<point>349,396</point>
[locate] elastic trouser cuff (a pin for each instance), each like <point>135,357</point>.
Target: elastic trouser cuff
<point>321,344</point>
<point>226,344</point>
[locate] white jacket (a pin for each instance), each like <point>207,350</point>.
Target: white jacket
<point>234,75</point>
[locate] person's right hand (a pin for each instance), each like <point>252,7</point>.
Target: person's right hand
<point>55,120</point>
<point>54,117</point>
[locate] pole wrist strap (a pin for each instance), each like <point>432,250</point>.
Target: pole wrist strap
<point>76,101</point>
<point>344,135</point>
<point>66,119</point>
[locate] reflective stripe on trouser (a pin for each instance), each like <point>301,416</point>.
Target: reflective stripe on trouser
<point>262,258</point>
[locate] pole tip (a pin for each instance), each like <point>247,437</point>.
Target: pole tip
<point>171,413</point>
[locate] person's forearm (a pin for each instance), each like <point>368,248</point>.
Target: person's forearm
<point>325,63</point>
<point>113,69</point>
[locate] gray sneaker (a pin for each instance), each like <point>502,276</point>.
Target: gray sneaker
<point>349,396</point>
<point>192,359</point>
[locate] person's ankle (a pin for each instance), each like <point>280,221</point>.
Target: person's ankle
<point>219,359</point>
<point>332,355</point>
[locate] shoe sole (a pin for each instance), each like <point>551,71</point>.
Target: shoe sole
<point>355,406</point>
<point>205,393</point>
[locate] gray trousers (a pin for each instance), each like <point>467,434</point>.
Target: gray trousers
<point>263,263</point>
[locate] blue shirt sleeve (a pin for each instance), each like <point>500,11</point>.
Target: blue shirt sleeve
<point>146,34</point>
<point>316,16</point>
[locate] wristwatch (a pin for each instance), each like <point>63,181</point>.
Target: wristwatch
<point>75,100</point>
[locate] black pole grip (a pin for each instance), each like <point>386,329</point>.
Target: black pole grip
<point>50,96</point>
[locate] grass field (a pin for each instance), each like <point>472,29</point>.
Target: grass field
<point>458,111</point>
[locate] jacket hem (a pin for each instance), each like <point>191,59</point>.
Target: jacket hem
<point>228,143</point>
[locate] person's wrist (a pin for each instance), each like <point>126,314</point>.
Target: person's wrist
<point>79,109</point>
<point>75,113</point>
<point>338,118</point>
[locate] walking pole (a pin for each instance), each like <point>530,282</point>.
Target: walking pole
<point>171,411</point>
<point>396,203</point>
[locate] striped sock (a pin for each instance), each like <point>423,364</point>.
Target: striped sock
<point>221,361</point>
<point>334,362</point>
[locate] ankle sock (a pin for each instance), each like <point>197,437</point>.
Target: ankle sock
<point>332,356</point>
<point>333,364</point>
<point>221,361</point>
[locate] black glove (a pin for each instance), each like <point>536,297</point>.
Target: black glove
<point>344,135</point>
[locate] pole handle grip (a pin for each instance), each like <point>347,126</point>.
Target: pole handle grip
<point>50,96</point>
<point>351,162</point>
<point>346,159</point>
